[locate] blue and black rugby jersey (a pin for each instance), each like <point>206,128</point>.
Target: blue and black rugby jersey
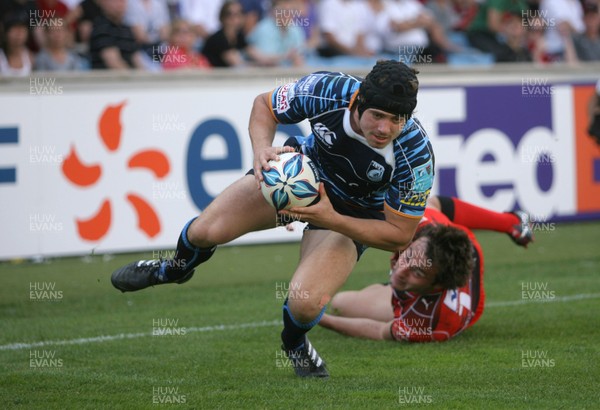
<point>399,175</point>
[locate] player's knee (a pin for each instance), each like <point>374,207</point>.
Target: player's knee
<point>204,234</point>
<point>337,304</point>
<point>341,303</point>
<point>305,310</point>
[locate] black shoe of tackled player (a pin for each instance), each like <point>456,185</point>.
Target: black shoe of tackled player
<point>522,234</point>
<point>140,275</point>
<point>306,361</point>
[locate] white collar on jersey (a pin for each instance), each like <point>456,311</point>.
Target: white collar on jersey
<point>387,152</point>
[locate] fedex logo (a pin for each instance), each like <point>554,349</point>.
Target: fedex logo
<point>501,149</point>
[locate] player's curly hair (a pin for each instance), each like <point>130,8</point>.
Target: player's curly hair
<point>451,251</point>
<point>391,86</point>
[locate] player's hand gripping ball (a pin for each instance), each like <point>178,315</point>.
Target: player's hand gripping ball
<point>291,181</point>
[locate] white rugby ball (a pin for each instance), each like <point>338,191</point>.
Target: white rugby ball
<point>291,181</point>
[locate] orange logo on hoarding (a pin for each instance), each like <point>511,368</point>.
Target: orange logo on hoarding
<point>80,174</point>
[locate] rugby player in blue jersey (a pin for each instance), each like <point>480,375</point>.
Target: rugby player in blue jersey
<point>376,165</point>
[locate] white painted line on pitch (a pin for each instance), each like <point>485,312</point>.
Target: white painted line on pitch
<point>581,296</point>
<point>254,325</point>
<point>18,346</point>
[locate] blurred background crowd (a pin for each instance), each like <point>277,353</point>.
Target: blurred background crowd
<point>156,35</point>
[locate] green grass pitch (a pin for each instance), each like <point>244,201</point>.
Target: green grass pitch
<point>77,343</point>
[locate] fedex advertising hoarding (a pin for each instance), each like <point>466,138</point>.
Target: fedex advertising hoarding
<point>117,170</point>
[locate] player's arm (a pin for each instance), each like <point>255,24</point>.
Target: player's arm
<point>392,234</point>
<point>358,327</point>
<point>284,105</point>
<point>262,129</point>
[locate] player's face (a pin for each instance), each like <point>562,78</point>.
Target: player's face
<point>380,128</point>
<point>414,271</point>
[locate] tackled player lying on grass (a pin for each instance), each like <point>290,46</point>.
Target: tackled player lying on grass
<point>436,284</point>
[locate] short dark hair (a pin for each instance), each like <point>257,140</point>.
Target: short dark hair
<point>450,251</point>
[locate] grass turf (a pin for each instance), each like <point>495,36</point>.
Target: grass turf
<point>524,354</point>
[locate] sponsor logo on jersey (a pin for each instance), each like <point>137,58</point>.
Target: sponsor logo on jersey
<point>284,95</point>
<point>324,134</point>
<point>418,199</point>
<point>375,171</point>
<point>423,177</point>
<point>426,303</point>
<point>307,84</point>
<point>417,194</point>
<point>457,301</point>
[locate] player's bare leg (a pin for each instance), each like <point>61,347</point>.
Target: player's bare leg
<point>326,260</point>
<point>372,302</point>
<point>239,209</point>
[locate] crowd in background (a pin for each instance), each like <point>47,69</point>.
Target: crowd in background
<point>155,35</point>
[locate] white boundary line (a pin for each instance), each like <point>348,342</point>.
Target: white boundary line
<point>254,325</point>
<point>569,298</point>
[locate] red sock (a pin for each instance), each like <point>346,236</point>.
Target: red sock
<point>475,217</point>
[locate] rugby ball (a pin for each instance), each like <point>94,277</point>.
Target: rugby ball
<point>291,181</point>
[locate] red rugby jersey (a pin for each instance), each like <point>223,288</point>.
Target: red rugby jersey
<point>438,316</point>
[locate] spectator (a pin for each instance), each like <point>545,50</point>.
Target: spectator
<point>487,30</point>
<point>15,57</point>
<point>12,7</point>
<point>452,16</point>
<point>27,10</point>
<point>516,38</point>
<point>50,13</point>
<point>535,40</point>
<point>112,44</point>
<point>52,8</point>
<point>203,14</point>
<point>180,50</point>
<point>254,11</point>
<point>565,21</point>
<point>467,10</point>
<point>82,17</point>
<point>343,28</point>
<point>588,44</point>
<point>312,31</point>
<point>413,32</point>
<point>225,47</point>
<point>149,20</point>
<point>278,38</point>
<point>376,12</point>
<point>444,12</point>
<point>56,55</point>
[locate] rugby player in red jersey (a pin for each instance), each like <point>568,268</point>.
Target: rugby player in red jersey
<point>436,284</point>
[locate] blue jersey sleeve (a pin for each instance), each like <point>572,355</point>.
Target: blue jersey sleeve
<point>413,176</point>
<point>312,96</point>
